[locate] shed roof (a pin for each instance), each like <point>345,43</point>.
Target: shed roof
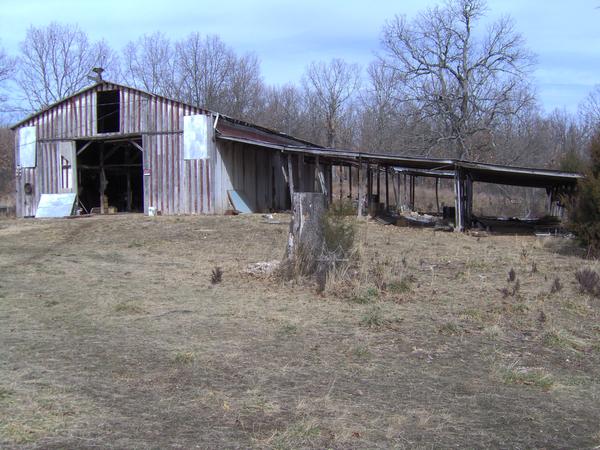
<point>420,166</point>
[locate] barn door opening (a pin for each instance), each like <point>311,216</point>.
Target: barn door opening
<point>110,176</point>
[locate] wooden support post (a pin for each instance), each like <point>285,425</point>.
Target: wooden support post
<point>387,190</point>
<point>284,168</point>
<point>411,194</point>
<point>290,177</point>
<point>102,179</point>
<point>321,177</point>
<point>468,201</point>
<point>459,224</point>
<point>331,183</point>
<point>350,182</point>
<point>396,189</point>
<point>369,187</point>
<point>341,174</point>
<point>300,165</point>
<point>361,189</point>
<point>437,197</point>
<point>378,184</point>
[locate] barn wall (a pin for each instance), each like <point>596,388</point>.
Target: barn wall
<point>171,184</point>
<point>253,171</point>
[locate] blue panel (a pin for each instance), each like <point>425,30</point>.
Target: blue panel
<point>239,203</point>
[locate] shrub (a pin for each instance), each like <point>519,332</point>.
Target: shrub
<point>338,252</point>
<point>339,232</point>
<point>584,209</point>
<point>589,281</point>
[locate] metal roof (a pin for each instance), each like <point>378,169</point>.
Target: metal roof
<point>419,166</point>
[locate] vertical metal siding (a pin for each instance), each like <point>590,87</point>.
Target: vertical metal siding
<point>174,186</point>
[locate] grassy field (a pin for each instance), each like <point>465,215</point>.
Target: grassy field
<point>113,336</point>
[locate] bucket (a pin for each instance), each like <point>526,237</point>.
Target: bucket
<point>151,210</point>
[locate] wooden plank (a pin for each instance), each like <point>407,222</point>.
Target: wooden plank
<point>290,165</point>
<point>396,186</point>
<point>321,177</point>
<point>458,203</point>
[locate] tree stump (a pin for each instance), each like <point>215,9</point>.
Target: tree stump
<point>305,238</point>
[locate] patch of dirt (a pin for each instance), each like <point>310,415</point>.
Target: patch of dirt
<point>113,334</point>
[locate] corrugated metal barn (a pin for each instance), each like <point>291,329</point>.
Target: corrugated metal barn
<point>119,147</point>
<point>115,148</point>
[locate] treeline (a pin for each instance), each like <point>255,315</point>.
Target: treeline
<point>436,88</point>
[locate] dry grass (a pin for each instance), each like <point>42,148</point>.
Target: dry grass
<point>114,336</point>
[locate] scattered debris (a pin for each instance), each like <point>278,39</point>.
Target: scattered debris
<point>263,268</point>
<point>413,218</point>
<point>443,227</point>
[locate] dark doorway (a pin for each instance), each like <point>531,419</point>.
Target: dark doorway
<point>112,172</point>
<point>107,111</point>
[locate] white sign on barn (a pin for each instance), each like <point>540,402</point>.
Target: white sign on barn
<point>27,140</point>
<point>195,137</point>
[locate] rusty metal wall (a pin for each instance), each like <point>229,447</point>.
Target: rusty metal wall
<point>171,184</point>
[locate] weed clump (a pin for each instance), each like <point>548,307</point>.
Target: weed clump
<point>556,286</point>
<point>128,308</point>
<point>216,275</point>
<point>401,286</point>
<point>373,318</point>
<point>184,357</point>
<point>589,281</point>
<point>529,377</point>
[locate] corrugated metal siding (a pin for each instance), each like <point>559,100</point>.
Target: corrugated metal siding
<point>174,186</point>
<point>75,118</point>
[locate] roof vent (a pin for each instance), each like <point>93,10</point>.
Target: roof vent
<point>98,77</point>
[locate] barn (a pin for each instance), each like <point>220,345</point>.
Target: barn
<point>128,150</point>
<point>114,148</point>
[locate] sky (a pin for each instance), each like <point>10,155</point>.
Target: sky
<point>287,35</point>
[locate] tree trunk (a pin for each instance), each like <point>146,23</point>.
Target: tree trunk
<point>305,239</point>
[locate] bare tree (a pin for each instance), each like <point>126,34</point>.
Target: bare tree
<point>204,67</point>
<point>7,67</point>
<point>282,109</point>
<point>331,87</point>
<point>244,87</point>
<point>212,76</point>
<point>7,164</point>
<point>466,85</point>
<point>148,64</point>
<point>55,62</point>
<point>380,109</point>
<point>589,112</point>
